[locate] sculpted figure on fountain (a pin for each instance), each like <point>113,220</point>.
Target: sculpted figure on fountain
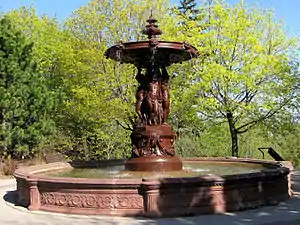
<point>153,99</point>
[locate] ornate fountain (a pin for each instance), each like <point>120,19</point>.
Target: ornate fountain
<point>153,179</point>
<point>152,138</point>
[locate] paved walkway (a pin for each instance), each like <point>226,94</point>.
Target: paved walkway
<point>286,213</point>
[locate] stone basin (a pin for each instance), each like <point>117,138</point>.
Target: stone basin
<point>151,196</point>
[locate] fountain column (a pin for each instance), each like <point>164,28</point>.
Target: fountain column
<point>153,139</point>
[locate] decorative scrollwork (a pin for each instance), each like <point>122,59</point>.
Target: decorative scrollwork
<point>92,200</point>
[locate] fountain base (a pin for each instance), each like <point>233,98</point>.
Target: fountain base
<point>157,140</point>
<point>152,196</point>
<point>154,163</point>
<point>153,149</point>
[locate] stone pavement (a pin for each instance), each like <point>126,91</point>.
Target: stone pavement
<point>286,213</point>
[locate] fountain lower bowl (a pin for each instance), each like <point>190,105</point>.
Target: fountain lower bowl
<point>154,163</point>
<point>152,196</point>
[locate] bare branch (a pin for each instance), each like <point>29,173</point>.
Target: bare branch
<point>126,128</point>
<point>269,114</point>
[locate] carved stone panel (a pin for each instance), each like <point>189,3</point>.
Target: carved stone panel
<point>101,201</point>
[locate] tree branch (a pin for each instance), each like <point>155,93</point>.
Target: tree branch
<point>250,124</point>
<point>126,128</point>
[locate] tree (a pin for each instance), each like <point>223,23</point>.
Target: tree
<point>55,57</point>
<point>245,75</point>
<point>102,92</point>
<point>25,100</point>
<point>189,7</point>
<point>98,93</point>
<point>52,50</point>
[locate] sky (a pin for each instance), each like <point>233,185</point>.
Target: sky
<point>286,10</point>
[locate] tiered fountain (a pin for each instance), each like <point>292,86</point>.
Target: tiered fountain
<point>153,182</point>
<point>152,138</point>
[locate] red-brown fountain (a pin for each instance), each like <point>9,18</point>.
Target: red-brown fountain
<point>152,138</point>
<point>152,181</point>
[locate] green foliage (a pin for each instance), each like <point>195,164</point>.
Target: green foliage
<point>52,50</point>
<point>215,141</point>
<point>102,92</point>
<point>212,142</point>
<point>245,75</point>
<point>25,100</point>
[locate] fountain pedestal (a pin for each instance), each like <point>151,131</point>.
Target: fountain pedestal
<point>153,149</point>
<point>154,163</point>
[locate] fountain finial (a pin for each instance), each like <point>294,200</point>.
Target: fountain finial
<point>152,29</point>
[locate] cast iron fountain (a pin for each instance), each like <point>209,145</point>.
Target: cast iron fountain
<point>152,181</point>
<point>152,138</point>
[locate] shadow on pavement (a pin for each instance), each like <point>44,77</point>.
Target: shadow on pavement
<point>11,197</point>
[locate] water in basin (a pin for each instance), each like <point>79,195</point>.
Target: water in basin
<point>190,169</point>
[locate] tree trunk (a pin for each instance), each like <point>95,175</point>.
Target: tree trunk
<point>234,137</point>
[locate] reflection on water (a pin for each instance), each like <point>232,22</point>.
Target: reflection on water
<point>190,169</point>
